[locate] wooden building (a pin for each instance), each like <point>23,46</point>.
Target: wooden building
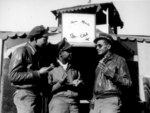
<point>134,48</point>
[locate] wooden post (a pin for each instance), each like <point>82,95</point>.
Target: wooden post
<point>107,20</point>
<point>1,77</point>
<point>141,65</point>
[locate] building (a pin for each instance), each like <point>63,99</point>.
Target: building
<point>134,48</point>
<point>106,14</point>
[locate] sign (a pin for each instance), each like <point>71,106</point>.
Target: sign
<point>78,28</point>
<point>104,28</point>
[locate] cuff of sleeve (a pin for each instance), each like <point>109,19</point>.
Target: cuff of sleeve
<point>58,85</point>
<point>61,83</point>
<point>36,74</point>
<point>110,74</point>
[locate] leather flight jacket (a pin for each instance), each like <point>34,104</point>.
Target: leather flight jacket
<point>23,68</point>
<point>118,77</point>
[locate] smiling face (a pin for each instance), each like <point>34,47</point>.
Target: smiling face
<point>102,47</point>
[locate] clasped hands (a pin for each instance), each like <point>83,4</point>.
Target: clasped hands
<point>65,81</point>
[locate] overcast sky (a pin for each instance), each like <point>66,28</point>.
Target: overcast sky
<point>23,15</point>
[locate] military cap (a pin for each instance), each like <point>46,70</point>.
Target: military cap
<point>63,45</point>
<point>101,36</point>
<point>38,31</point>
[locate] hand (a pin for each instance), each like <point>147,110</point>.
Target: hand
<point>103,67</point>
<point>92,103</point>
<point>76,82</point>
<point>107,72</point>
<point>51,67</point>
<point>44,70</point>
<point>64,79</point>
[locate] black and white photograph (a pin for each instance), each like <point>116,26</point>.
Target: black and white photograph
<point>74,56</point>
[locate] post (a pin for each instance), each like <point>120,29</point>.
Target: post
<point>107,20</point>
<point>1,77</point>
<point>141,46</point>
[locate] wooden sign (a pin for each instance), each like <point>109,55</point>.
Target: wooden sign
<point>78,28</point>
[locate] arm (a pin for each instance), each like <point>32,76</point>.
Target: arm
<point>18,71</point>
<point>120,75</point>
<point>77,81</point>
<point>56,84</point>
<point>57,87</point>
<point>123,75</point>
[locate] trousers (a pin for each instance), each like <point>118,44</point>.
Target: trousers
<point>27,101</point>
<point>63,105</point>
<point>106,105</point>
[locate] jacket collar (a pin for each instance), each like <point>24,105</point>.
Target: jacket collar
<point>65,66</point>
<point>33,50</point>
<point>107,57</point>
<point>68,65</point>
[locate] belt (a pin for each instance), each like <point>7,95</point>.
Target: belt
<point>106,95</point>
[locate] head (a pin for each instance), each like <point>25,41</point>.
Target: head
<point>38,36</point>
<point>103,44</point>
<point>64,51</point>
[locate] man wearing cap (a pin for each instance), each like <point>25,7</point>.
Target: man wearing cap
<point>65,79</point>
<point>26,74</point>
<point>111,75</point>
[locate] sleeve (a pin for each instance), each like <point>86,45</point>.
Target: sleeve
<point>18,71</point>
<point>79,78</point>
<point>122,75</point>
<point>56,84</point>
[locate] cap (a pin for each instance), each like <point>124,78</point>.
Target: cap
<point>38,31</point>
<point>63,45</point>
<point>104,36</point>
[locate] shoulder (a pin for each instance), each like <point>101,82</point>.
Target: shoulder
<point>121,61</point>
<point>118,57</point>
<point>74,67</point>
<point>20,50</point>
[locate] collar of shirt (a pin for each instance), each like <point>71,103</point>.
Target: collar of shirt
<point>63,65</point>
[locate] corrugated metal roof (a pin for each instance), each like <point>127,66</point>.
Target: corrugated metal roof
<point>74,8</point>
<point>14,35</point>
<point>95,8</point>
<point>13,39</point>
<point>138,38</point>
<point>82,7</point>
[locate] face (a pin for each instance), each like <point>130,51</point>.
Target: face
<point>102,47</point>
<point>66,55</point>
<point>41,42</point>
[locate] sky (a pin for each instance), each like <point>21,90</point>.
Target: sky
<point>23,15</point>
